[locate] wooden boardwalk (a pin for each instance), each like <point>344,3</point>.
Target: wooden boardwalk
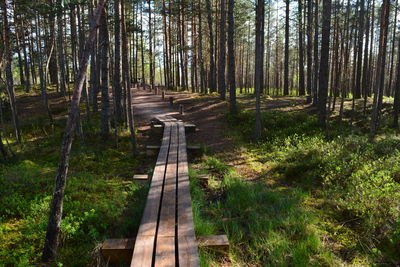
<point>166,234</point>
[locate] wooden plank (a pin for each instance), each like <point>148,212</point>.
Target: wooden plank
<point>167,221</point>
<point>141,177</point>
<point>188,252</point>
<point>213,241</point>
<point>143,252</point>
<point>165,253</point>
<point>144,246</point>
<point>188,255</point>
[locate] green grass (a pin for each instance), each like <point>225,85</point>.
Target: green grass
<point>323,197</point>
<point>265,226</point>
<point>101,201</point>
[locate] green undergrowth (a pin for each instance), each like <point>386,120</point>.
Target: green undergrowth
<point>101,201</point>
<point>265,226</point>
<point>350,183</point>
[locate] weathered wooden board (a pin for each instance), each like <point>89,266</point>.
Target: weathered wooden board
<point>188,253</point>
<point>144,246</point>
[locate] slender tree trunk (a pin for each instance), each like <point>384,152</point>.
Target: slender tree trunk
<point>302,90</point>
<point>212,75</point>
<point>389,88</point>
<point>324,62</point>
<point>56,207</point>
<point>8,71</point>
<point>222,55</point>
<point>357,94</point>
<point>105,101</point>
<point>309,51</point>
<point>380,71</point>
<point>316,59</point>
<point>42,73</point>
<point>117,64</point>
<point>26,66</point>
<point>286,72</point>
<point>142,45</point>
<point>203,85</point>
<point>365,78</point>
<point>151,49</point>
<point>231,57</point>
<point>126,81</point>
<point>60,50</point>
<point>259,52</point>
<point>396,104</point>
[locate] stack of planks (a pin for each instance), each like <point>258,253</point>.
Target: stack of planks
<point>166,234</point>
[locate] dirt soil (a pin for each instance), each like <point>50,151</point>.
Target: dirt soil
<point>205,112</point>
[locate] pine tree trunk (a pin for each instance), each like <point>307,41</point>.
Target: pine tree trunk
<point>151,48</point>
<point>259,52</point>
<point>126,82</point>
<point>222,55</point>
<point>380,71</point>
<point>231,57</point>
<point>105,101</point>
<point>324,62</point>
<point>286,72</point>
<point>357,94</point>
<point>396,104</point>
<point>117,64</point>
<point>60,50</point>
<point>212,75</point>
<point>56,207</point>
<point>316,56</point>
<point>8,71</point>
<point>302,90</point>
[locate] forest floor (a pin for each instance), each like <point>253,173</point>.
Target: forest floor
<point>301,196</point>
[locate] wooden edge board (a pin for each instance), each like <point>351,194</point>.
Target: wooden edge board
<point>187,247</point>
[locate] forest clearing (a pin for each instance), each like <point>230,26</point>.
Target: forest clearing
<point>199,133</point>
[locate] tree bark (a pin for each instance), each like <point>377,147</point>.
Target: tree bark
<point>316,59</point>
<point>60,50</point>
<point>286,71</point>
<point>105,101</point>
<point>117,64</point>
<point>380,71</point>
<point>324,62</point>
<point>8,71</point>
<point>357,92</point>
<point>56,207</point>
<point>302,90</point>
<point>259,55</point>
<point>231,57</point>
<point>212,75</point>
<point>126,81</point>
<point>222,55</point>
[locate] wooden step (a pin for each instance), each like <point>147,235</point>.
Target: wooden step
<point>117,250</point>
<point>120,250</point>
<point>141,178</point>
<point>219,242</point>
<point>157,127</point>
